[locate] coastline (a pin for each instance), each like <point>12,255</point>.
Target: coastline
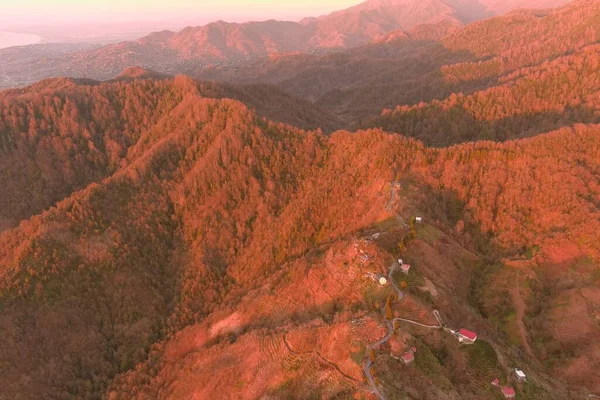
<point>10,39</point>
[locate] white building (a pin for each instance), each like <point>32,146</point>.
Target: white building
<point>521,377</point>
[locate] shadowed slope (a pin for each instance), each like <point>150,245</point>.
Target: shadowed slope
<point>62,134</point>
<point>211,200</point>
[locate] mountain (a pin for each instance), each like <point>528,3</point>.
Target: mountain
<point>216,253</point>
<point>562,92</point>
<point>536,82</point>
<point>79,132</point>
<point>499,7</point>
<point>222,43</point>
<point>398,68</point>
<point>432,62</point>
<point>168,237</point>
<point>523,39</point>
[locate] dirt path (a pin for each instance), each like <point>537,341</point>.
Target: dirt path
<point>368,361</point>
<point>520,310</point>
<point>390,326</point>
<point>391,280</point>
<point>388,206</point>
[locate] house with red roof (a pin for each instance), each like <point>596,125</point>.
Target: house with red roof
<point>407,357</point>
<point>466,336</point>
<point>405,268</point>
<point>508,392</point>
<point>496,382</point>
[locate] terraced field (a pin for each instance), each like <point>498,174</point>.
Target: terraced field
<point>410,308</point>
<point>482,365</point>
<point>413,279</point>
<point>570,321</point>
<point>428,233</point>
<point>272,347</point>
<point>426,361</point>
<point>373,294</point>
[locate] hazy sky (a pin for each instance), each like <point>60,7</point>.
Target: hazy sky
<point>185,12</point>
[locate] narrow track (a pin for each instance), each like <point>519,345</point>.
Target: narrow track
<point>390,326</point>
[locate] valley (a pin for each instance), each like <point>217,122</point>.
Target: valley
<point>214,293</point>
<point>399,200</point>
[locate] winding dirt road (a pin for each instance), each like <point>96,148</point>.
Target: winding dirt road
<point>368,361</point>
<point>390,326</point>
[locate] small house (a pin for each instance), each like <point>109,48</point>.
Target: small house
<point>466,336</point>
<point>405,268</point>
<point>418,220</point>
<point>521,377</point>
<point>413,350</point>
<point>400,261</point>
<point>407,357</point>
<point>496,382</point>
<point>382,281</point>
<point>508,392</point>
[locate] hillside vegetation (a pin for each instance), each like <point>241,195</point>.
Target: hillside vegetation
<point>200,203</point>
<point>58,136</point>
<point>164,237</point>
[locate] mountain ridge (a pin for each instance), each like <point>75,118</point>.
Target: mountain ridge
<point>223,43</point>
<point>163,236</point>
<point>219,185</point>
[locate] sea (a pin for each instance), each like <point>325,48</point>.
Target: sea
<point>8,39</point>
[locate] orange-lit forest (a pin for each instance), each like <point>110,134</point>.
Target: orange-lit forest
<point>162,237</point>
<point>529,101</point>
<point>201,201</point>
<point>58,136</point>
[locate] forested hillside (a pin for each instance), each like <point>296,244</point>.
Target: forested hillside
<point>529,101</point>
<point>203,201</point>
<point>432,62</point>
<point>61,135</point>
<point>164,237</point>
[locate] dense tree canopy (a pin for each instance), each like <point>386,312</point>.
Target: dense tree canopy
<point>203,200</point>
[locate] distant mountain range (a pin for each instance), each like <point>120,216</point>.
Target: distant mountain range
<point>223,43</point>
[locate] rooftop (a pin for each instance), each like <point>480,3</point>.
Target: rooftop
<point>468,334</point>
<point>508,391</point>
